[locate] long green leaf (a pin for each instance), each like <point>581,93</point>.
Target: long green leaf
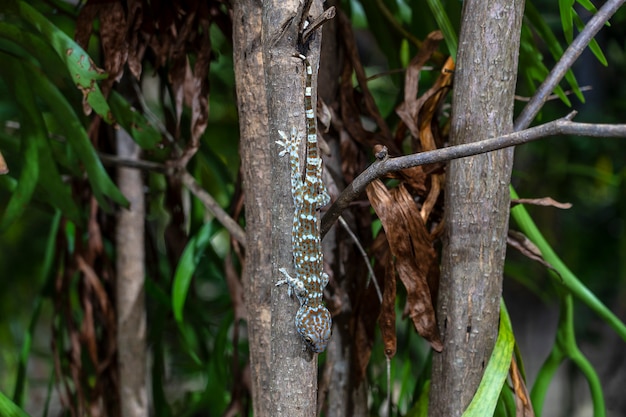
<point>9,409</point>
<point>187,265</point>
<point>46,266</point>
<point>31,132</point>
<point>567,277</point>
<point>486,397</point>
<point>75,133</point>
<point>449,34</point>
<point>78,63</point>
<point>142,132</point>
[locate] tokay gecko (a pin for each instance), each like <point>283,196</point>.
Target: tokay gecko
<point>313,320</point>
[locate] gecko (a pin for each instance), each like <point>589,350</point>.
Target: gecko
<point>313,320</point>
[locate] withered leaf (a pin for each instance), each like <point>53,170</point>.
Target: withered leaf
<point>412,248</point>
<point>113,39</point>
<point>520,242</point>
<point>523,406</point>
<point>545,201</point>
<point>408,110</point>
<point>387,318</point>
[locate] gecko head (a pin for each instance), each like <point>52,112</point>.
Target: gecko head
<point>314,324</point>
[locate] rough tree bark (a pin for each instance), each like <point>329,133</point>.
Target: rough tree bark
<point>130,297</point>
<point>255,149</point>
<point>270,98</point>
<point>293,374</point>
<point>477,202</point>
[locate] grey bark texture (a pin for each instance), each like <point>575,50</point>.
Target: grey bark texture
<point>293,374</point>
<point>130,296</point>
<point>270,98</point>
<point>255,150</point>
<point>477,202</point>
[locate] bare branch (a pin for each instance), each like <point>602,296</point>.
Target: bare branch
<point>563,126</point>
<point>109,159</point>
<point>567,60</point>
<point>210,204</point>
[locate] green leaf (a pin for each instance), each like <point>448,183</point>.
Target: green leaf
<point>189,260</point>
<point>486,397</point>
<point>593,44</point>
<point>449,34</point>
<point>566,12</point>
<point>75,133</point>
<point>78,63</point>
<point>9,409</point>
<point>133,122</point>
<point>548,37</point>
<point>31,132</point>
<point>587,5</point>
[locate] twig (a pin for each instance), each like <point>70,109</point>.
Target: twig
<point>563,126</point>
<point>554,96</point>
<point>569,56</point>
<point>371,276</point>
<point>210,204</point>
<point>109,159</point>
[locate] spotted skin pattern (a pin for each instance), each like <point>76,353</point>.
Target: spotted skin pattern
<point>313,320</point>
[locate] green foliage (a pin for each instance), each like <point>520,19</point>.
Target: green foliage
<point>486,397</point>
<point>47,79</point>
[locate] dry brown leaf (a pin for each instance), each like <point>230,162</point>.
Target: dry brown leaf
<point>136,39</point>
<point>520,242</point>
<point>200,95</point>
<point>387,318</point>
<point>84,23</point>
<point>410,244</point>
<point>113,39</point>
<point>523,406</point>
<point>545,201</point>
<point>4,168</point>
<point>355,103</point>
<point>408,110</point>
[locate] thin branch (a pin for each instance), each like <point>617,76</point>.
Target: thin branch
<point>366,260</point>
<point>563,126</point>
<point>554,96</point>
<point>567,60</point>
<point>109,159</point>
<point>210,204</point>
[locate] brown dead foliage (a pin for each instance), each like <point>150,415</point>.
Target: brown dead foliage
<point>519,241</point>
<point>523,406</point>
<point>545,201</point>
<point>173,32</point>
<point>86,367</point>
<point>410,209</point>
<point>413,255</point>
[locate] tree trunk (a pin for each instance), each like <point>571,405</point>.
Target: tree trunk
<point>477,202</point>
<point>255,149</point>
<point>130,297</point>
<point>293,376</point>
